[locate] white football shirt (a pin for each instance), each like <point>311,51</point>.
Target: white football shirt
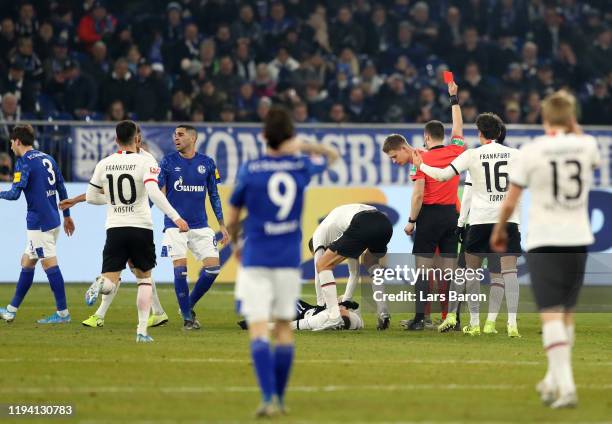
<point>489,167</point>
<point>558,170</point>
<point>123,176</point>
<point>336,223</point>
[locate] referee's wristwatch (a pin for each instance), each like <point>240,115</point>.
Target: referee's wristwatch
<point>412,221</point>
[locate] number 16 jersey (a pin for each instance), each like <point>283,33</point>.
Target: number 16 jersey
<point>489,167</point>
<point>123,176</point>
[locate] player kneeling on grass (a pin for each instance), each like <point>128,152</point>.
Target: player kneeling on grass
<point>347,232</point>
<point>271,189</point>
<point>558,170</point>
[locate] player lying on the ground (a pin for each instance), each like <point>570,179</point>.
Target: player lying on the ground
<point>158,315</point>
<point>558,170</point>
<point>39,177</point>
<point>125,181</point>
<point>347,232</point>
<point>311,317</point>
<point>488,170</point>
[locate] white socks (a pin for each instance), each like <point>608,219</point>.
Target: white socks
<point>381,305</point>
<point>107,299</point>
<point>512,294</point>
<point>107,286</point>
<point>156,306</point>
<point>472,287</point>
<point>143,302</point>
<point>496,295</point>
<point>330,294</point>
<point>558,350</point>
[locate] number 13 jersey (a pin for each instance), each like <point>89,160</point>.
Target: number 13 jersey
<point>123,176</point>
<point>558,170</point>
<point>489,167</point>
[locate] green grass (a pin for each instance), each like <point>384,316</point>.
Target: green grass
<point>364,376</point>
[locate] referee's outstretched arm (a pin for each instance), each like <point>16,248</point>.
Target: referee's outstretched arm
<point>455,110</point>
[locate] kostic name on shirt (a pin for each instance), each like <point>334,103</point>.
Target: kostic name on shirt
<point>123,209</point>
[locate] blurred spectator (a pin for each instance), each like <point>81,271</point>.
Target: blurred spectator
<point>507,17</point>
<point>597,109</point>
<point>228,113</point>
<point>476,14</point>
<point>197,115</point>
<point>265,86</point>
<point>246,27</point>
<point>482,91</point>
<point>8,38</point>
<point>300,114</point>
<point>226,80</point>
<point>119,85</point>
<point>344,33</point>
<point>567,68</point>
<point>600,54</point>
<point>6,168</point>
<point>533,108</point>
<point>208,59</point>
<point>276,24</point>
<point>245,64</point>
<point>186,48</point>
<point>405,46</point>
<point>9,116</point>
<point>180,106</point>
<point>31,62</point>
<point>425,30</point>
<point>469,112</point>
<point>263,107</point>
<point>544,82</point>
<point>337,114</point>
<point>317,24</point>
<point>502,54</point>
<point>43,45</point>
<point>512,114</point>
<point>551,32</point>
<point>27,24</point>
<point>282,66</point>
<point>151,96</point>
<point>471,50</point>
<point>133,58</point>
<point>96,25</point>
<point>223,40</point>
<point>16,83</point>
<point>393,104</point>
<point>529,56</point>
<point>98,65</point>
<point>370,80</point>
<point>428,107</point>
<point>116,111</point>
<point>210,100</point>
<point>81,95</point>
<point>317,101</point>
<point>246,103</point>
<point>174,22</point>
<point>379,31</point>
<point>357,107</point>
<point>451,32</point>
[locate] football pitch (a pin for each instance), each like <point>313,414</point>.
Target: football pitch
<point>344,377</point>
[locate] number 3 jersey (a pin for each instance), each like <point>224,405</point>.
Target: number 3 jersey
<point>558,170</point>
<point>488,166</point>
<point>39,177</point>
<point>272,190</point>
<point>123,176</point>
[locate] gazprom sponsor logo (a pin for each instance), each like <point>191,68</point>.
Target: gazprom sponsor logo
<point>179,186</point>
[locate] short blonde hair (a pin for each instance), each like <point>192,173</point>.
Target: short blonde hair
<point>559,109</point>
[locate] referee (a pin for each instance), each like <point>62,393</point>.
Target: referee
<point>433,215</point>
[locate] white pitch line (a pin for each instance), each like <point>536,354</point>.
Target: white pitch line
<point>293,389</point>
<point>300,361</point>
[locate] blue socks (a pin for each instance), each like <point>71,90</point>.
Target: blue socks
<point>283,358</point>
<point>264,368</point>
<point>182,290</point>
<point>56,281</point>
<point>23,285</point>
<point>207,277</point>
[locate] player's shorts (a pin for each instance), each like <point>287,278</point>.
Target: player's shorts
<point>477,242</point>
<point>123,243</point>
<point>268,294</point>
<point>201,242</point>
<point>435,228</point>
<point>41,244</point>
<point>370,230</point>
<point>557,274</point>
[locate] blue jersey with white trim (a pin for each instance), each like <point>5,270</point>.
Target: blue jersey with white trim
<point>272,190</point>
<point>39,177</point>
<point>186,182</point>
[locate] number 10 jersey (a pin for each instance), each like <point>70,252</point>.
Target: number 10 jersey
<point>123,176</point>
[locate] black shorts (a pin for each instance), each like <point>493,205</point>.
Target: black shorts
<point>370,230</point>
<point>435,228</point>
<point>477,242</point>
<point>128,243</point>
<point>557,274</point>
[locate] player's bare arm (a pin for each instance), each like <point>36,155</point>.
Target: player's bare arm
<point>455,110</point>
<point>417,202</point>
<point>499,236</point>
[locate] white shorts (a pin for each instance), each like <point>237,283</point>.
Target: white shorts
<point>41,244</point>
<point>201,242</point>
<point>268,294</point>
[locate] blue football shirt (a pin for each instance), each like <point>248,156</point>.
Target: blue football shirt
<point>39,177</point>
<point>272,190</point>
<point>187,181</point>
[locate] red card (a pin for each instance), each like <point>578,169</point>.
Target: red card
<point>448,77</point>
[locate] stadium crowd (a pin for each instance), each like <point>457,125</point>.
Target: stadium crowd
<point>328,61</point>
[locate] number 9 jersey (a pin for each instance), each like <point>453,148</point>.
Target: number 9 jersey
<point>123,176</point>
<point>558,170</point>
<point>272,190</point>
